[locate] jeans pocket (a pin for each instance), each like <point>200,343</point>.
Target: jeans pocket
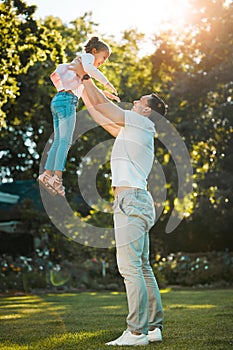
<point>127,204</point>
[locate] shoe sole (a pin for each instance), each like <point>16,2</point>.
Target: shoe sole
<point>142,344</point>
<point>137,344</point>
<point>47,188</point>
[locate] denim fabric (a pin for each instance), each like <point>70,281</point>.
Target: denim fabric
<point>134,215</point>
<point>63,108</point>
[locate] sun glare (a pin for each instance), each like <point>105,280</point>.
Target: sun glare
<point>150,16</point>
<point>171,13</point>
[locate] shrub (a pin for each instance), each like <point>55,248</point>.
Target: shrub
<point>189,269</point>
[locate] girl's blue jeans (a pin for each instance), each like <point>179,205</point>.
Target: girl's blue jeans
<point>63,108</point>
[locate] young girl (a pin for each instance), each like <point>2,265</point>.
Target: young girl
<point>63,108</point>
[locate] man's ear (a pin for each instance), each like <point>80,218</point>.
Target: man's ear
<point>147,110</point>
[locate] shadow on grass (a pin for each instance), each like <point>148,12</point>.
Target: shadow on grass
<point>86,321</point>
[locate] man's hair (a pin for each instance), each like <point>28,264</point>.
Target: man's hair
<point>157,104</point>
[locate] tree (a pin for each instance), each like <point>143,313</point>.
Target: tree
<point>23,42</point>
<point>190,70</point>
<point>197,71</point>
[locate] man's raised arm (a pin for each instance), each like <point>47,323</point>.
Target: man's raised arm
<point>106,123</point>
<point>99,101</point>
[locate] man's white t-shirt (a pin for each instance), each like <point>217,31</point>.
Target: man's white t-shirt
<point>133,152</point>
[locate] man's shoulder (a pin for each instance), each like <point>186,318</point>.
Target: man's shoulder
<point>132,118</point>
<point>132,114</point>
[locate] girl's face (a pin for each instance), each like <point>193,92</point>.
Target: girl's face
<point>100,56</point>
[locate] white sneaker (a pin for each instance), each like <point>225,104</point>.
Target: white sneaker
<point>155,335</point>
<point>129,339</point>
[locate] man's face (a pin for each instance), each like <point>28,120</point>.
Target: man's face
<point>141,106</point>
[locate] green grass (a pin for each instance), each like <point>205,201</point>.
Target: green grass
<point>194,319</point>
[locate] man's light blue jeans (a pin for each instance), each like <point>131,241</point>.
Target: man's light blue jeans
<point>63,108</point>
<point>134,215</point>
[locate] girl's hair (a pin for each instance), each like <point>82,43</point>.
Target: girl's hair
<point>95,43</point>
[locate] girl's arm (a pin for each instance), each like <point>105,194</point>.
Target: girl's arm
<point>87,61</point>
<point>98,100</point>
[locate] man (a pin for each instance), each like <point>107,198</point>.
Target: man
<point>131,162</point>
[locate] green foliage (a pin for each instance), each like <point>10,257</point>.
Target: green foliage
<point>194,70</point>
<point>23,43</point>
<point>130,73</point>
<point>188,269</point>
<point>87,269</point>
<point>191,70</point>
<point>47,270</point>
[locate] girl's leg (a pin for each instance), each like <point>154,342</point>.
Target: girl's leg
<point>65,110</point>
<point>66,128</point>
<point>49,165</point>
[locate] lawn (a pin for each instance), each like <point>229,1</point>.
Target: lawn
<point>194,319</point>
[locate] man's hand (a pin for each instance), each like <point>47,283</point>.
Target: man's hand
<point>111,96</point>
<point>111,87</point>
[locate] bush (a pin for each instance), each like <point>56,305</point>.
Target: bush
<point>190,269</point>
<point>184,269</point>
<point>30,274</point>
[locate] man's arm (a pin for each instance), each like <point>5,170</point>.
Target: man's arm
<point>107,124</point>
<point>100,102</point>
